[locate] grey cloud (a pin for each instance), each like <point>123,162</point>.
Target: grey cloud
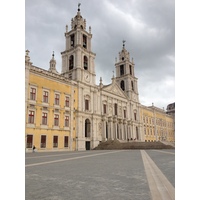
<point>146,25</point>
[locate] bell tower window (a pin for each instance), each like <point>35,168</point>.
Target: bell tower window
<point>84,41</point>
<point>122,85</point>
<point>130,67</point>
<point>72,40</point>
<point>85,62</point>
<point>121,70</point>
<point>71,62</point>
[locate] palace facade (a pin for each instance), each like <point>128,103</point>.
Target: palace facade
<point>68,111</point>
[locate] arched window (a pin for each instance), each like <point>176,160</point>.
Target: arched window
<point>72,40</point>
<point>85,41</point>
<point>122,85</point>
<point>130,68</point>
<point>71,62</point>
<point>121,70</point>
<point>85,62</point>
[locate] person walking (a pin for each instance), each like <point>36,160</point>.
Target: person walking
<point>34,148</point>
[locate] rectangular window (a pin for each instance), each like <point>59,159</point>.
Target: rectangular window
<point>121,69</point>
<point>56,120</point>
<point>57,97</point>
<point>67,101</point>
<point>104,108</point>
<point>135,116</point>
<point>31,117</point>
<point>29,141</point>
<point>67,121</point>
<point>33,94</point>
<point>44,118</point>
<point>124,113</point>
<point>86,104</point>
<point>55,141</point>
<point>115,109</point>
<point>45,97</point>
<point>43,141</point>
<point>66,141</point>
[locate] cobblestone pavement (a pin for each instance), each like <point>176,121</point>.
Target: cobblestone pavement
<point>97,175</point>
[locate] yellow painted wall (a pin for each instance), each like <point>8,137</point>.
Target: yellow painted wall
<point>158,125</point>
<point>52,85</point>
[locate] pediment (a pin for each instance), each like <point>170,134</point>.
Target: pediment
<point>115,89</point>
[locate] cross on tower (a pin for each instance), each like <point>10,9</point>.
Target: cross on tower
<point>124,43</point>
<point>79,4</point>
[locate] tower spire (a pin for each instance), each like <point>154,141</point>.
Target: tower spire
<point>52,66</point>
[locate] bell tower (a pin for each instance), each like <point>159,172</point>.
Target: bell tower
<point>78,58</point>
<point>125,76</point>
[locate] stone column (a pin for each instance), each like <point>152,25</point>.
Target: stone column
<point>110,129</point>
<point>122,131</point>
<point>104,129</point>
<point>131,126</point>
<point>115,127</point>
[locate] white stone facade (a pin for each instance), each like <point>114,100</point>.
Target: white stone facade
<point>104,111</point>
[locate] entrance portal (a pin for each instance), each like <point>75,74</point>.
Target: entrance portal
<point>87,145</point>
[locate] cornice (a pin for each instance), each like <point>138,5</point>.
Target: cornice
<point>49,74</point>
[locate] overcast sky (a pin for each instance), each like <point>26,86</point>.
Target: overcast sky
<point>148,26</point>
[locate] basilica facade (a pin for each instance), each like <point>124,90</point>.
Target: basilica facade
<point>68,111</point>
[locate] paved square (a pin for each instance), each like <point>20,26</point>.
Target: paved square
<point>98,175</point>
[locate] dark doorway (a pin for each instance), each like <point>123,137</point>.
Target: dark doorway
<point>87,145</point>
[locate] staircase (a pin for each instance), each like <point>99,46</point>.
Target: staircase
<point>116,144</point>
